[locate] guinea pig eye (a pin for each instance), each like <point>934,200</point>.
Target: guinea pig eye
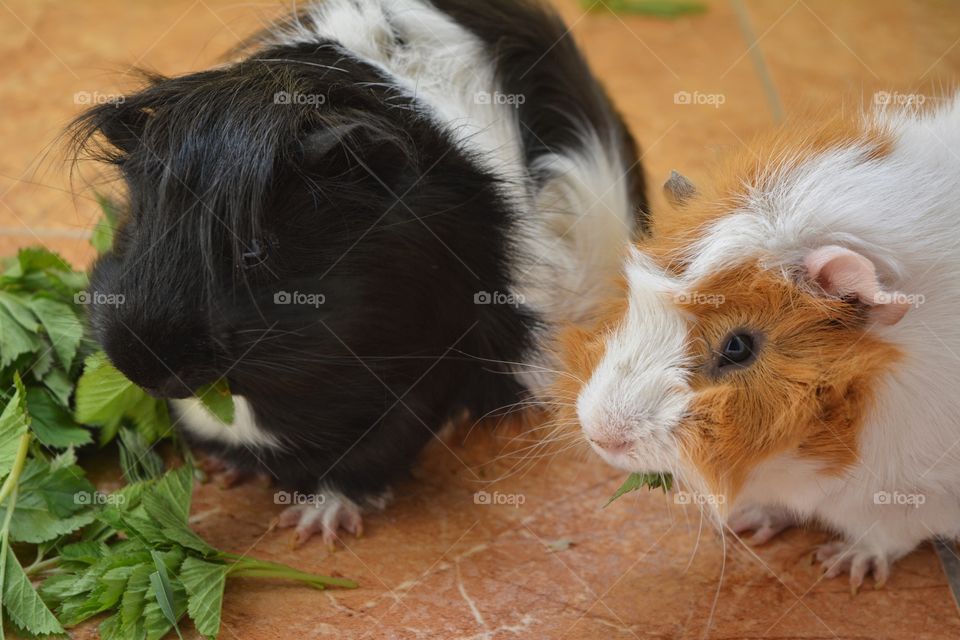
<point>738,350</point>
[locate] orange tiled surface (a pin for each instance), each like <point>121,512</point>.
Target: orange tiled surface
<point>437,565</point>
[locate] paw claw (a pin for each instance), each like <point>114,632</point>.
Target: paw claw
<point>838,557</point>
<point>325,517</point>
<point>765,523</point>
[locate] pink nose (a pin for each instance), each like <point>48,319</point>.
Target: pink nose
<point>612,445</point>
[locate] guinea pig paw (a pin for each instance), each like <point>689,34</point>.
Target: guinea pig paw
<point>325,517</point>
<point>840,557</point>
<point>765,522</point>
<point>223,474</point>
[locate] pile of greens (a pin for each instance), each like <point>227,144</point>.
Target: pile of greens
<point>130,555</point>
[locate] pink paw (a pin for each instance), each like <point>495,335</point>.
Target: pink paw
<point>326,514</point>
<point>840,557</point>
<point>765,522</point>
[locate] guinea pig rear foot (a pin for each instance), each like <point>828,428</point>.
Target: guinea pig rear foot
<point>325,516</point>
<point>839,557</point>
<point>764,521</point>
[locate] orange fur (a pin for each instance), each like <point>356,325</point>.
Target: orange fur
<point>809,390</point>
<point>806,393</point>
<point>754,167</point>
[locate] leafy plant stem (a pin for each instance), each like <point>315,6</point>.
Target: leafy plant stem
<point>248,567</point>
<point>11,482</point>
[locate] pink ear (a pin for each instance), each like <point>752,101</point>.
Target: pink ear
<point>840,272</point>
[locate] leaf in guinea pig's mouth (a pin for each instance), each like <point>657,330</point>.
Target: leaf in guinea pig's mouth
<point>218,401</point>
<point>638,480</point>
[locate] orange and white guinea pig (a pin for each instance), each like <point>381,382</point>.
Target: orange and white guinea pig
<point>788,342</point>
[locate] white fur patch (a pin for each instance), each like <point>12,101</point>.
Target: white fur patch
<point>244,431</point>
<point>902,211</point>
<point>639,390</point>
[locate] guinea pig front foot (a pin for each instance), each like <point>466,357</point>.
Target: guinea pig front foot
<point>326,513</point>
<point>766,522</point>
<point>839,557</point>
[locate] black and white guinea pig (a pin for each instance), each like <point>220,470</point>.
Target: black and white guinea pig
<point>370,224</point>
<point>787,343</point>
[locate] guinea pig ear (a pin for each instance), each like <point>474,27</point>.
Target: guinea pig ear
<point>678,189</point>
<point>842,272</point>
<point>318,144</point>
<point>338,148</point>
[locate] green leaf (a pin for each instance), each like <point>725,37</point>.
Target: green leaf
<point>50,502</point>
<point>14,339</point>
<point>19,310</point>
<point>135,598</point>
<point>637,480</point>
<point>60,385</point>
<point>151,418</point>
<point>655,8</point>
<point>138,461</point>
<point>13,423</point>
<point>103,393</point>
<point>204,583</point>
<point>51,423</point>
<point>62,326</point>
<point>172,495</point>
<point>164,591</point>
<point>218,401</point>
<point>22,603</point>
<point>103,233</point>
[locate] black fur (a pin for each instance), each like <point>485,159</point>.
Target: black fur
<point>235,199</point>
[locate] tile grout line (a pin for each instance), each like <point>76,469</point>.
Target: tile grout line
<point>759,63</point>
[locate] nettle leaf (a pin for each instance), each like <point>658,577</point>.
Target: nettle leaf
<point>138,460</point>
<point>52,501</point>
<point>51,423</point>
<point>19,310</point>
<point>62,326</point>
<point>22,603</point>
<point>103,393</point>
<point>135,598</point>
<point>204,583</point>
<point>59,384</point>
<point>216,398</point>
<point>151,418</point>
<point>638,480</point>
<point>13,424</point>
<point>103,233</point>
<point>105,397</point>
<point>164,592</point>
<point>14,339</point>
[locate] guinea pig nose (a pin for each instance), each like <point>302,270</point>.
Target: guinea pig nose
<point>612,445</point>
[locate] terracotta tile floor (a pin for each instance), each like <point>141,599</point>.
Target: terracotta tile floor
<point>436,564</point>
